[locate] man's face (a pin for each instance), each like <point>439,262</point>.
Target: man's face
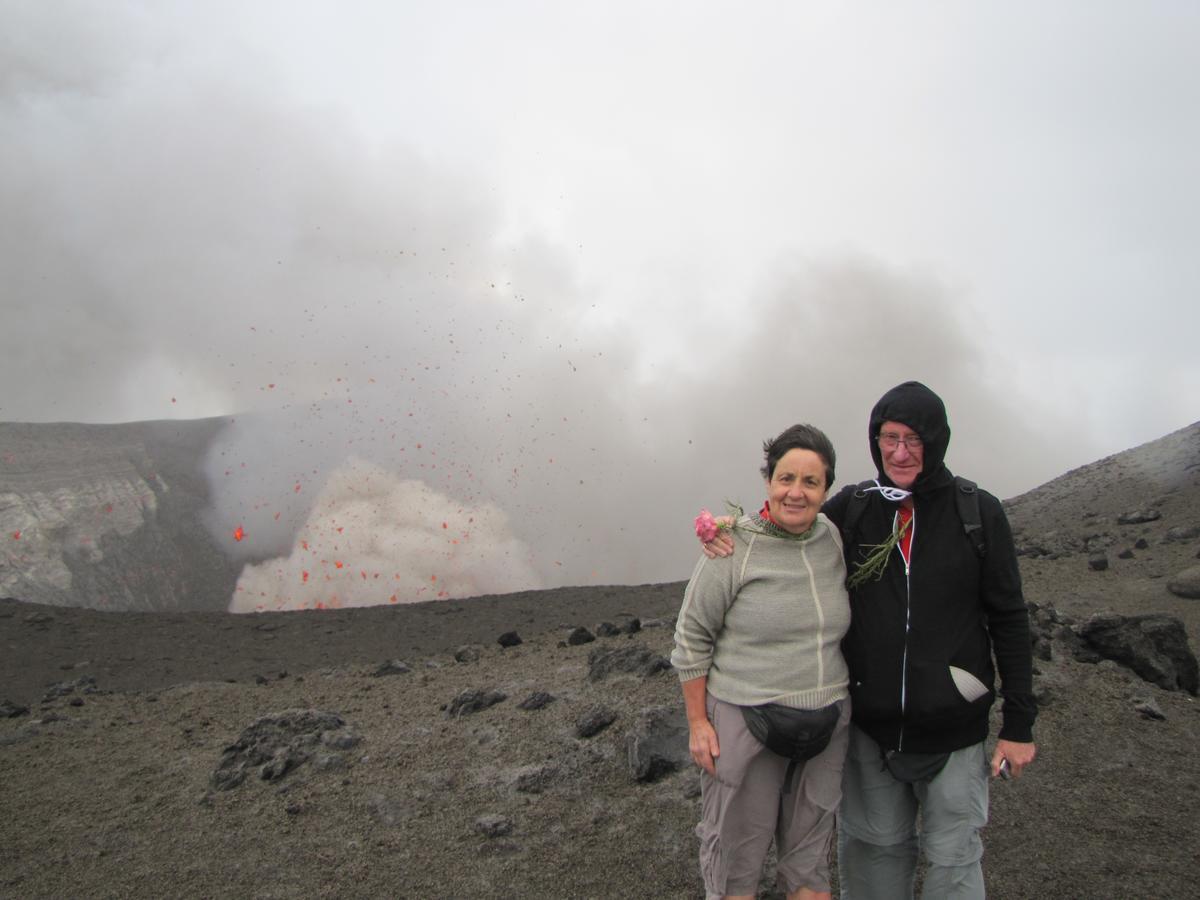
<point>903,454</point>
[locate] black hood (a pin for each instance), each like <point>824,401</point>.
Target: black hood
<point>922,410</point>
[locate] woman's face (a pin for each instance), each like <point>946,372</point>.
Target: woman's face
<point>796,490</point>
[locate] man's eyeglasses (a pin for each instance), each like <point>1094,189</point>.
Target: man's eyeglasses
<point>889,440</point>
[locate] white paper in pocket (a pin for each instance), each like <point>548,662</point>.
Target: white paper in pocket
<point>968,685</point>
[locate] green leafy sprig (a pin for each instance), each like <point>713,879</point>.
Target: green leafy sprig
<point>872,567</point>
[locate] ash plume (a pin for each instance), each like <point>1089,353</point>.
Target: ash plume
<point>186,242</point>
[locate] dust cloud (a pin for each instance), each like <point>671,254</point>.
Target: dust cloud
<point>372,538</point>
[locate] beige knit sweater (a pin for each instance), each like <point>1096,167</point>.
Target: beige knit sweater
<point>765,624</point>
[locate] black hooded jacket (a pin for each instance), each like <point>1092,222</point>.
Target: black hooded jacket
<point>948,608</point>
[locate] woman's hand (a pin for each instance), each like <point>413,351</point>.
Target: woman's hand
<point>702,737</point>
<point>722,544</point>
<point>702,743</point>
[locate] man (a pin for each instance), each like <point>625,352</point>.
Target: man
<point>925,622</point>
<point>920,647</point>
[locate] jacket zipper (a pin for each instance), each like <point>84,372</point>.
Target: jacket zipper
<point>907,623</point>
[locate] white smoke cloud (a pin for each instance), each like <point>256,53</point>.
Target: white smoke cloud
<point>373,538</point>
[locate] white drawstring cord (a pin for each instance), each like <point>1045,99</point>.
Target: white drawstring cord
<point>894,494</point>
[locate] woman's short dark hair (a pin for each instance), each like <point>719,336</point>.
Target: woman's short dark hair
<point>800,437</point>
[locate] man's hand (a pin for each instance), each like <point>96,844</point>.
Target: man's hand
<point>702,743</point>
<point>722,544</point>
<point>1018,754</point>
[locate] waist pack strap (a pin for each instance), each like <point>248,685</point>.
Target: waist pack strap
<point>913,767</point>
<point>789,776</point>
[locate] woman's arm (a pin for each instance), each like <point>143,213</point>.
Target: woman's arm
<point>697,628</point>
<point>702,737</point>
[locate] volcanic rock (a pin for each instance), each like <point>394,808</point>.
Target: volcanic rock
<point>1153,646</point>
<point>494,826</point>
<point>1138,517</point>
<point>594,720</point>
<point>1148,709</point>
<point>635,660</point>
<point>466,654</point>
<point>658,743</point>
<point>392,667</point>
<point>473,700</point>
<point>536,700</point>
<point>580,635</point>
<point>1186,583</point>
<point>85,685</point>
<point>10,710</point>
<point>1182,533</point>
<point>276,744</point>
<point>534,779</point>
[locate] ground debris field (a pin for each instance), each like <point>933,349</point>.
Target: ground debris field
<point>110,793</point>
<point>405,752</point>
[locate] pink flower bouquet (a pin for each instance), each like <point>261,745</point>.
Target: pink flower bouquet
<point>706,526</point>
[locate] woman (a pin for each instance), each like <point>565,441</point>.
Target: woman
<point>757,652</point>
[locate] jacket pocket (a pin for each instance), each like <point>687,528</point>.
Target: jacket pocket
<point>969,687</point>
<point>934,695</point>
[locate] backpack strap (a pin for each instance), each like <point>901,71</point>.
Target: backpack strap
<point>854,510</point>
<point>966,498</point>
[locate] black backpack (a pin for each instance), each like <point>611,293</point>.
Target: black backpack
<point>966,498</point>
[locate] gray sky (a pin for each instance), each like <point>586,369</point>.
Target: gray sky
<point>593,253</point>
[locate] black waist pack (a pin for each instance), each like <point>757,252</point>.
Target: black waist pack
<point>797,734</point>
<point>913,767</point>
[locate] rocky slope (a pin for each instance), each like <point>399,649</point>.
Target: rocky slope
<point>1117,533</point>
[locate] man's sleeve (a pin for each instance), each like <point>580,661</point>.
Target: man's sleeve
<point>1008,623</point>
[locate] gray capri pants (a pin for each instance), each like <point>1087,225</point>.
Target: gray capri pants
<point>745,805</point>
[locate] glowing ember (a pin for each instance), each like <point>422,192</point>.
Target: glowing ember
<point>238,533</point>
